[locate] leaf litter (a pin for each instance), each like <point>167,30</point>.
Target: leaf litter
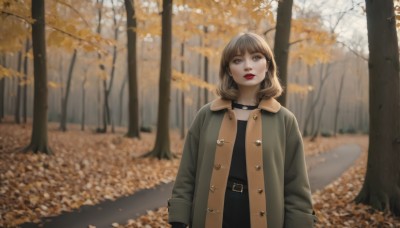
<point>88,168</point>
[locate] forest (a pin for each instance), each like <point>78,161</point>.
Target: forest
<point>83,82</point>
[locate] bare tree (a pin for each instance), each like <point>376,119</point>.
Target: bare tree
<point>2,89</point>
<point>25,88</point>
<point>182,131</point>
<point>64,99</point>
<point>83,99</point>
<point>205,29</point>
<point>382,179</point>
<point>324,75</point>
<point>162,146</point>
<point>281,46</point>
<point>39,128</point>
<point>17,112</point>
<point>338,100</point>
<point>133,98</point>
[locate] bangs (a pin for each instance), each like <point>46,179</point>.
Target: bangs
<point>245,43</point>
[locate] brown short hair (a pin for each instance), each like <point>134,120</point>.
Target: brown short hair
<point>251,42</point>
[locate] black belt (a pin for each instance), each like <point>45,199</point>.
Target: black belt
<point>236,186</point>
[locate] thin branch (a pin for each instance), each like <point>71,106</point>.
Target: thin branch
<point>75,10</point>
<point>298,41</point>
<point>353,51</point>
<point>31,21</point>
<point>27,20</point>
<point>268,30</point>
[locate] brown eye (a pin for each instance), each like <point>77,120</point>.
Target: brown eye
<point>236,61</point>
<point>257,57</point>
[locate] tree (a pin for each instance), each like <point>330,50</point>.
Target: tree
<point>323,76</point>
<point>18,97</point>
<point>161,148</point>
<point>182,130</point>
<point>382,179</point>
<point>281,46</point>
<point>39,128</point>
<point>64,99</point>
<point>25,88</point>
<point>338,100</point>
<point>84,80</point>
<point>2,88</point>
<point>133,99</point>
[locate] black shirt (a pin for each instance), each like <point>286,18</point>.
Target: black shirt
<point>238,164</point>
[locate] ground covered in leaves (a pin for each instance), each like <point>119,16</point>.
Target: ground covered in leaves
<point>87,168</point>
<point>334,205</point>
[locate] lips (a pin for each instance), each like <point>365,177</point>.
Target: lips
<point>249,76</point>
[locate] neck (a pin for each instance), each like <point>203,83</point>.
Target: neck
<point>247,96</point>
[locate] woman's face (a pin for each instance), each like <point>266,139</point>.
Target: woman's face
<point>248,69</point>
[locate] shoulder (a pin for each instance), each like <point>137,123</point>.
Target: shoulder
<point>202,115</point>
<point>286,113</point>
<point>285,117</point>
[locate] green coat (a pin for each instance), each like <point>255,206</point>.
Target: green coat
<point>279,191</point>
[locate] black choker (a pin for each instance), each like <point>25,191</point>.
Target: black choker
<point>244,107</point>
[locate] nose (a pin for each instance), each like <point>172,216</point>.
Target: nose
<point>247,65</point>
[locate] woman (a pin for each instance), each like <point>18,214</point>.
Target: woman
<point>243,162</point>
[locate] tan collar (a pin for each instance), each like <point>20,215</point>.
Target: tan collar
<point>270,105</point>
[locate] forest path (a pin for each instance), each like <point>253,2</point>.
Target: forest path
<point>322,170</point>
<point>326,167</point>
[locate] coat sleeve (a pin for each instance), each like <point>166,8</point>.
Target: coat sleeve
<point>298,203</point>
<point>180,204</point>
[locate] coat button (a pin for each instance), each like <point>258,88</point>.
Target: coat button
<point>260,190</point>
<point>217,166</point>
<point>210,210</point>
<point>255,116</point>
<point>220,142</point>
<point>258,142</point>
<point>262,213</point>
<point>212,188</point>
<point>258,167</point>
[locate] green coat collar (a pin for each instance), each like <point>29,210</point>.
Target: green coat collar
<point>270,105</point>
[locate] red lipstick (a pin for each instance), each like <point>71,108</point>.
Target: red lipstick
<point>249,76</point>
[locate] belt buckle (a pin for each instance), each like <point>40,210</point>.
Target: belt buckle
<point>237,187</point>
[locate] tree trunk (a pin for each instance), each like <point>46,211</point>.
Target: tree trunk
<point>162,146</point>
<point>64,104</point>
<point>83,102</point>
<point>199,103</point>
<point>106,109</point>
<point>133,97</point>
<point>281,46</point>
<point>102,68</point>
<point>18,97</point>
<point>25,88</point>
<point>107,88</point>
<point>205,70</point>
<point>382,181</point>
<point>323,77</point>
<point>317,130</point>
<point>2,90</point>
<point>39,128</point>
<point>121,99</point>
<point>338,104</point>
<point>310,99</point>
<point>183,92</point>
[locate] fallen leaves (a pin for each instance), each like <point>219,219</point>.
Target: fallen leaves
<point>87,168</point>
<point>334,205</point>
<point>157,218</point>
